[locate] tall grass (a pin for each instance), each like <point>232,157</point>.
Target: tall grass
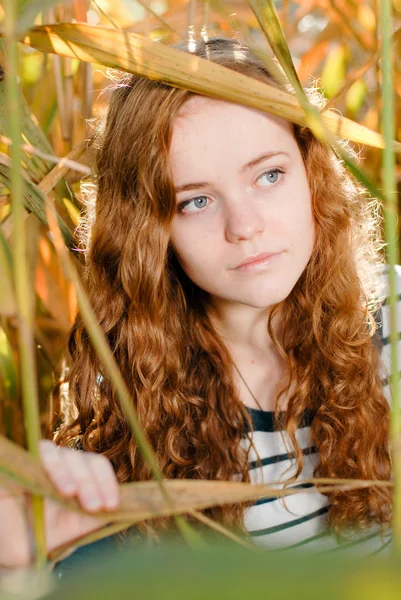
<point>22,283</point>
<point>390,220</point>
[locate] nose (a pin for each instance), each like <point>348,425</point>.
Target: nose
<point>243,220</point>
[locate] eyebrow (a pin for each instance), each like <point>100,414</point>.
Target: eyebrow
<point>187,187</point>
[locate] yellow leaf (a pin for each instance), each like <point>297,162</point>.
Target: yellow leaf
<point>355,96</point>
<point>334,70</point>
<point>136,54</point>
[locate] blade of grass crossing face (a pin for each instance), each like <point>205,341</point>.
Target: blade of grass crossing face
<point>23,289</point>
<point>265,12</point>
<point>390,226</point>
<point>268,20</point>
<point>266,15</point>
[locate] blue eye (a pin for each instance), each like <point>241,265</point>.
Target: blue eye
<point>199,203</point>
<point>271,176</point>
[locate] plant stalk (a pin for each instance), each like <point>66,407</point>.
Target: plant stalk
<point>23,287</point>
<point>267,17</point>
<point>390,226</point>
<point>109,363</point>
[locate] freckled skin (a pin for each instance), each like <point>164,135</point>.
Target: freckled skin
<point>239,212</point>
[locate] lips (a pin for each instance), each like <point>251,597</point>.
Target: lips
<point>256,259</point>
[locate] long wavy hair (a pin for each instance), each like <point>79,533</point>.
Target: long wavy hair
<point>178,370</point>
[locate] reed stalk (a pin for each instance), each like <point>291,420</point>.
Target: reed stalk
<point>110,366</point>
<point>390,227</point>
<point>22,284</point>
<point>266,14</point>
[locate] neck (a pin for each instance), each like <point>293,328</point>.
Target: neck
<point>242,327</point>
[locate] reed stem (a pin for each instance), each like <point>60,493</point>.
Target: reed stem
<point>23,287</point>
<point>109,363</point>
<point>390,227</point>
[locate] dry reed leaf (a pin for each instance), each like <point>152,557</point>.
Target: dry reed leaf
<point>144,500</point>
<point>136,54</point>
<point>33,197</point>
<point>64,165</point>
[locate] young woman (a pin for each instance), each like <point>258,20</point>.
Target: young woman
<point>235,267</point>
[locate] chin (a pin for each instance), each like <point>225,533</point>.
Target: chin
<point>262,300</point>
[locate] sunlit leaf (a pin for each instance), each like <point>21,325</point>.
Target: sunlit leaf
<point>355,97</point>
<point>31,67</point>
<point>144,499</point>
<point>311,60</point>
<point>334,70</point>
<point>136,54</point>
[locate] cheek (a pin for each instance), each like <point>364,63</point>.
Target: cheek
<point>191,252</point>
<point>192,240</point>
<point>300,223</point>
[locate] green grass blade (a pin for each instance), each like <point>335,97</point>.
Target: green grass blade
<point>269,22</point>
<point>23,287</point>
<point>7,297</point>
<point>110,366</point>
<point>390,226</point>
<point>265,12</point>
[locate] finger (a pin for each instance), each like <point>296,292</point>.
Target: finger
<point>106,480</point>
<point>88,492</point>
<point>57,469</point>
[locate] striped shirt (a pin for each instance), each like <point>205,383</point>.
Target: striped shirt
<point>303,522</point>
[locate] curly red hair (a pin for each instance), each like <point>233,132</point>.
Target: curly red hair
<point>179,372</point>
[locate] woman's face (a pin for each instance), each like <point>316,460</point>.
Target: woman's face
<point>241,191</point>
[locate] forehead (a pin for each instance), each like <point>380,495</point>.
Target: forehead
<point>208,133</point>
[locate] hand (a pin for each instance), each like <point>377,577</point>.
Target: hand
<point>85,475</point>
